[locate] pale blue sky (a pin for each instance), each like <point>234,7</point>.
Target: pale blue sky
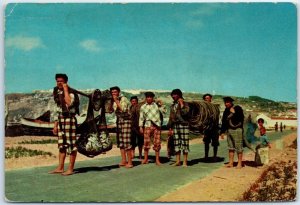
<point>236,49</point>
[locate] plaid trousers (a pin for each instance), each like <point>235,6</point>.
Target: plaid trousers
<point>181,138</point>
<point>155,132</point>
<point>67,133</point>
<point>124,134</point>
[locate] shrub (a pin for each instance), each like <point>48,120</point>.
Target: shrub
<point>17,152</point>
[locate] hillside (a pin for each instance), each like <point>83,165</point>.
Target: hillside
<point>32,105</point>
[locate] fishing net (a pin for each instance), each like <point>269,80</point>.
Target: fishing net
<point>203,116</point>
<point>93,134</point>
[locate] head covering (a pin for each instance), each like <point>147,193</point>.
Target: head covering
<point>207,94</point>
<point>149,94</point>
<point>134,97</point>
<point>176,92</point>
<point>61,75</point>
<point>228,99</point>
<point>115,88</point>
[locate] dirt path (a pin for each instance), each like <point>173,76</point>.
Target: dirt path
<point>228,184</point>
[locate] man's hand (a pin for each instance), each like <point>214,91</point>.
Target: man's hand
<point>180,101</point>
<point>55,129</point>
<point>141,130</point>
<point>170,133</point>
<point>222,136</point>
<point>232,110</point>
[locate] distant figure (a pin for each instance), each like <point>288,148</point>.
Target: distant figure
<point>276,127</point>
<point>284,127</point>
<point>281,127</point>
<point>137,140</point>
<point>65,123</point>
<point>210,135</point>
<point>232,125</point>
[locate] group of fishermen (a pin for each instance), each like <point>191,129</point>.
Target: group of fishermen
<point>137,123</point>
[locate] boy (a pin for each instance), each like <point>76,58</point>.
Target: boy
<point>150,126</point>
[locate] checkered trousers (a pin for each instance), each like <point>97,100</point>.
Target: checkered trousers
<point>67,133</point>
<point>124,134</point>
<point>181,137</point>
<point>235,140</point>
<point>153,131</point>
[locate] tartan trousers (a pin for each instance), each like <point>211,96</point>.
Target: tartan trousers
<point>124,134</point>
<point>67,133</point>
<point>148,133</point>
<point>181,138</point>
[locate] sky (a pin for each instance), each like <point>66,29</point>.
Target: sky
<point>236,49</point>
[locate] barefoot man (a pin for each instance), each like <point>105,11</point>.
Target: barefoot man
<point>232,126</point>
<point>67,102</point>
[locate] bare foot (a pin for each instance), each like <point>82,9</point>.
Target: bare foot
<point>129,166</point>
<point>176,164</point>
<point>145,162</point>
<point>56,171</point>
<point>158,163</point>
<point>229,165</point>
<point>67,173</point>
<point>122,164</point>
<point>239,166</point>
<point>185,165</point>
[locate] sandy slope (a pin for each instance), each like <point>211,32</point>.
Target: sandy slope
<point>229,184</point>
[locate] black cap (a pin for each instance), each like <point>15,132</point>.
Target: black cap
<point>134,97</point>
<point>61,75</point>
<point>228,99</point>
<point>149,94</point>
<point>176,92</point>
<point>115,88</point>
<point>207,94</point>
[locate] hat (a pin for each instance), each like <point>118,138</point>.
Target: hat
<point>207,94</point>
<point>176,92</point>
<point>115,88</point>
<point>61,75</point>
<point>228,99</point>
<point>134,97</point>
<point>149,94</point>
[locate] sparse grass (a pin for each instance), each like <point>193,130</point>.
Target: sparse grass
<point>17,152</point>
<point>48,141</point>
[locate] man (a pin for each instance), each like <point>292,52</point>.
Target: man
<point>67,102</point>
<point>232,126</point>
<point>211,135</point>
<point>179,127</point>
<point>120,106</point>
<point>150,126</point>
<point>137,140</point>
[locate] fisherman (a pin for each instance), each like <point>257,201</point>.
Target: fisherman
<point>150,126</point>
<point>179,127</point>
<point>137,139</point>
<point>120,106</point>
<point>211,135</point>
<point>232,126</point>
<point>65,123</point>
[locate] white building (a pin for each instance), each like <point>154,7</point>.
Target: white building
<point>271,121</point>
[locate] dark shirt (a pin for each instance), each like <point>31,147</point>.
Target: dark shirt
<point>178,115</point>
<point>232,120</point>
